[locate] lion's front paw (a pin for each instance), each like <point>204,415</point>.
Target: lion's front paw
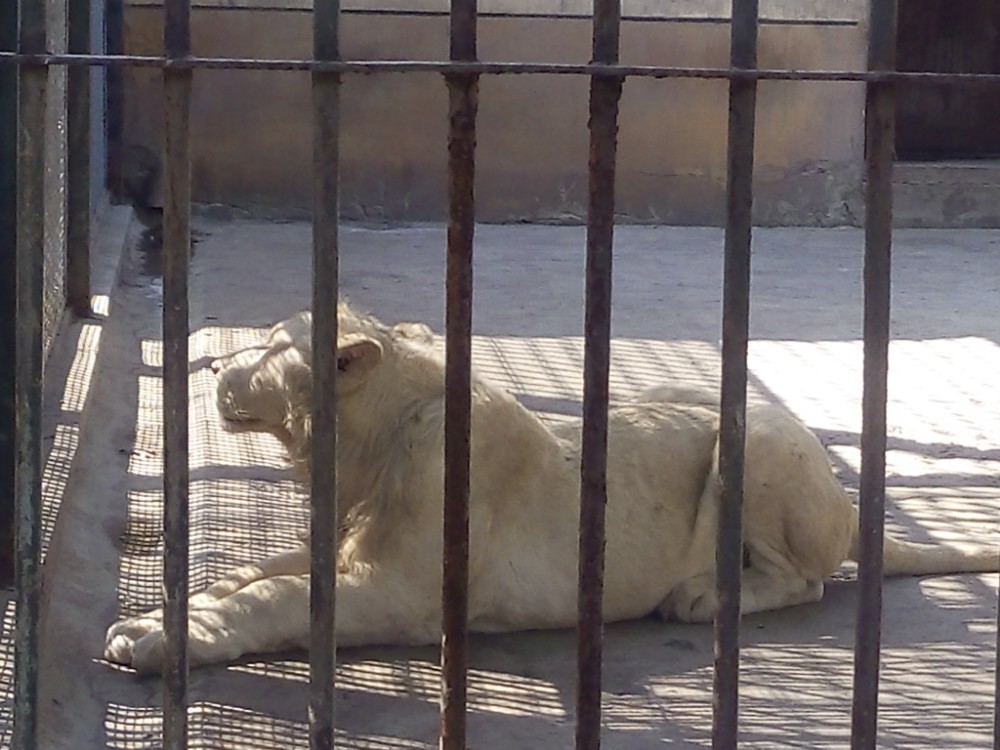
<point>147,653</point>
<point>122,637</point>
<point>138,642</point>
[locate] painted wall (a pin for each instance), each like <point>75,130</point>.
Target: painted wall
<point>252,133</point>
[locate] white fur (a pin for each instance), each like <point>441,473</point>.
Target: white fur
<point>663,489</point>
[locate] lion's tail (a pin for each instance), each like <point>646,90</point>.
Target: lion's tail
<point>902,558</point>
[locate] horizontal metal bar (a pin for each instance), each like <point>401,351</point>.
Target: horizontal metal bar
<point>366,67</point>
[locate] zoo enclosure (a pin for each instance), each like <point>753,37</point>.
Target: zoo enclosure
<point>461,74</point>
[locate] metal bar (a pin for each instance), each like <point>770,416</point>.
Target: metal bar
<point>8,292</point>
<point>735,334</point>
<point>176,255</point>
<point>114,44</point>
<point>463,103</point>
<point>879,145</point>
<point>605,93</point>
<point>323,498</point>
<point>31,147</point>
<point>996,689</point>
<point>78,165</point>
<point>368,67</point>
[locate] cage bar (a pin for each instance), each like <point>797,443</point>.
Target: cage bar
<point>879,143</point>
<point>996,689</point>
<point>461,73</point>
<point>32,96</point>
<point>78,164</point>
<point>367,67</point>
<point>176,256</point>
<point>605,93</point>
<point>8,294</point>
<point>463,98</point>
<point>323,492</point>
<point>735,334</point>
<point>114,94</point>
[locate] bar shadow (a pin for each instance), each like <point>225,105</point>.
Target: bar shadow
<point>938,636</point>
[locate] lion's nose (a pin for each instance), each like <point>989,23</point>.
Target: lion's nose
<point>216,366</point>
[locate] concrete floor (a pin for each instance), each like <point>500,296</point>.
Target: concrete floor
<point>944,476</point>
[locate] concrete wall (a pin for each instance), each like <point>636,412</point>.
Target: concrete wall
<point>252,135</point>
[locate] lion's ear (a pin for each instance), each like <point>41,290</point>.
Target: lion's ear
<point>357,354</point>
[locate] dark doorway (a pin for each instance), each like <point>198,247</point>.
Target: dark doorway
<point>948,122</point>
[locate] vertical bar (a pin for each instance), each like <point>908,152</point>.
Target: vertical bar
<point>176,255</point>
<point>996,689</point>
<point>879,144</point>
<point>8,288</point>
<point>735,334</point>
<point>114,44</point>
<point>463,102</point>
<point>32,96</point>
<point>323,498</point>
<point>605,93</point>
<point>78,164</point>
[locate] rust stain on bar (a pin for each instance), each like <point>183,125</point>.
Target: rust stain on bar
<point>32,98</point>
<point>323,498</point>
<point>176,256</point>
<point>735,334</point>
<point>605,93</point>
<point>463,97</point>
<point>879,144</point>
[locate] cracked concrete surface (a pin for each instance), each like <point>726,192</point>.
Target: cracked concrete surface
<point>943,466</point>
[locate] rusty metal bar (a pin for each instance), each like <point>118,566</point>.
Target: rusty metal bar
<point>463,102</point>
<point>323,498</point>
<point>879,145</point>
<point>78,164</point>
<point>368,67</point>
<point>605,93</point>
<point>735,334</point>
<point>32,95</point>
<point>176,256</point>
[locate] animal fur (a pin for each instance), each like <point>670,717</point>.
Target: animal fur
<point>663,493</point>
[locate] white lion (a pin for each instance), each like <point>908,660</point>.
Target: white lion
<point>663,494</point>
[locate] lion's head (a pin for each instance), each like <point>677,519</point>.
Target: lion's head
<point>258,386</point>
<point>267,387</point>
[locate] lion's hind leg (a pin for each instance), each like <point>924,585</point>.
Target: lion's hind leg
<point>763,591</point>
<point>694,600</point>
<point>763,587</point>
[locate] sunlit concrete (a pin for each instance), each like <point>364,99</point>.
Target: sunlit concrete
<point>806,353</point>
